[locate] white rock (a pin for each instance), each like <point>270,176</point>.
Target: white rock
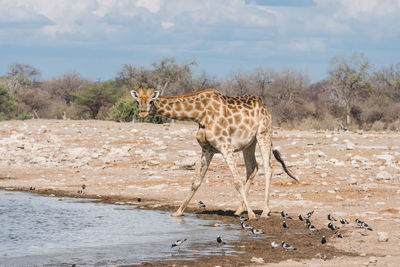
<point>352,181</point>
<point>257,260</point>
<point>383,237</point>
<point>350,146</point>
<point>339,197</point>
<point>383,175</point>
<point>372,259</point>
<point>186,163</point>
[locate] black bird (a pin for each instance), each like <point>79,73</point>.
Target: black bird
<point>333,227</point>
<point>331,218</point>
<point>287,246</point>
<point>312,228</point>
<point>243,219</point>
<point>31,188</point>
<point>323,240</point>
<point>256,231</point>
<point>285,215</point>
<point>307,221</point>
<point>139,199</point>
<point>363,225</point>
<point>201,204</point>
<point>83,187</point>
<point>344,221</point>
<point>80,192</point>
<point>309,214</point>
<point>301,217</point>
<point>339,235</point>
<point>219,240</point>
<point>245,226</point>
<point>285,225</point>
<point>178,243</point>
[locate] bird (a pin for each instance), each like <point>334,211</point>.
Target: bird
<point>245,226</point>
<point>83,187</point>
<point>285,215</point>
<point>274,244</point>
<point>312,228</point>
<point>344,221</point>
<point>287,247</point>
<point>243,219</point>
<point>301,217</point>
<point>307,221</point>
<point>333,227</point>
<point>285,225</point>
<point>31,188</point>
<point>331,218</point>
<point>139,199</point>
<point>363,225</point>
<point>178,243</point>
<point>339,235</point>
<point>256,231</point>
<point>323,240</point>
<point>80,192</point>
<point>201,204</point>
<point>309,214</point>
<point>219,240</point>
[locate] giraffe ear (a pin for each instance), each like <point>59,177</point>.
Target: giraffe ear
<point>134,94</point>
<point>155,94</point>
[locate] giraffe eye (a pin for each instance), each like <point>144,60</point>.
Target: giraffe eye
<point>151,102</point>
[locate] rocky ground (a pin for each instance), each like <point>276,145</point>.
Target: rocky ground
<point>348,174</point>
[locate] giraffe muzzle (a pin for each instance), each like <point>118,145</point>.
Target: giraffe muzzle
<point>143,114</point>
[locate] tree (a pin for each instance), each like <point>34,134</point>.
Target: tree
<point>24,73</point>
<point>97,96</point>
<point>8,102</point>
<point>348,79</point>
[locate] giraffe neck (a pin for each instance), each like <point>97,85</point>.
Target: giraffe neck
<point>189,107</point>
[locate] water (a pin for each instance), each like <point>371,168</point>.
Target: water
<point>40,230</point>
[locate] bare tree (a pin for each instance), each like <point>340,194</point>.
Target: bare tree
<point>24,72</point>
<point>348,78</point>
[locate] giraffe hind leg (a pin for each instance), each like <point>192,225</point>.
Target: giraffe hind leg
<point>251,171</point>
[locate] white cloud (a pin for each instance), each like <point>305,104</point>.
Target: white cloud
<point>152,5</point>
<point>166,24</point>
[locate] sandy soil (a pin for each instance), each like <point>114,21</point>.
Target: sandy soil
<point>350,175</point>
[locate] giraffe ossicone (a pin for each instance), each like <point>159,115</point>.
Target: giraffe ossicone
<point>226,125</point>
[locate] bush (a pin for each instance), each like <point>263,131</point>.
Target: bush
<point>124,110</point>
<point>8,103</point>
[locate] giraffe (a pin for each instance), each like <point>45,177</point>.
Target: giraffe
<point>226,125</point>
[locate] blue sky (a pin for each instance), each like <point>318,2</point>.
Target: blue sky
<point>96,37</point>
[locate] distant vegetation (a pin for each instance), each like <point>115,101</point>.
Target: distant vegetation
<point>354,95</point>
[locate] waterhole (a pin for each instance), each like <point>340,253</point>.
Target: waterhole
<point>41,230</point>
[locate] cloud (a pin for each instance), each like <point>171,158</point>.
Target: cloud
<point>152,5</point>
<point>166,24</point>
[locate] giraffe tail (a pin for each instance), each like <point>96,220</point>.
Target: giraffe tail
<point>278,157</point>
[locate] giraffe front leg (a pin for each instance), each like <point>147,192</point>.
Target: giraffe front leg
<point>204,163</point>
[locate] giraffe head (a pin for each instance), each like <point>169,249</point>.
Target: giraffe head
<point>145,100</point>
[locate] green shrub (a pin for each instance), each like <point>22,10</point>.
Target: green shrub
<point>8,103</point>
<point>124,110</point>
<point>24,116</point>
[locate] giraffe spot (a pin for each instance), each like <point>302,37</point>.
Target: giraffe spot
<point>246,113</point>
<point>230,120</point>
<point>194,114</point>
<point>238,118</point>
<point>222,121</point>
<point>232,129</point>
<point>222,139</point>
<point>167,107</point>
<point>215,105</point>
<point>246,121</point>
<point>228,112</point>
<point>178,106</point>
<point>217,130</point>
<point>174,114</point>
<point>224,133</point>
<point>188,107</point>
<point>204,101</point>
<point>197,106</point>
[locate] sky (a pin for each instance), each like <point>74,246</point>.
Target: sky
<point>97,37</point>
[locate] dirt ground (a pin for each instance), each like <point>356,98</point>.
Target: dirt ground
<point>347,174</point>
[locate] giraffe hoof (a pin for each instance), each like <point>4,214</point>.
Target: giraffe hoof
<point>265,214</point>
<point>239,212</point>
<point>252,216</point>
<point>176,214</point>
